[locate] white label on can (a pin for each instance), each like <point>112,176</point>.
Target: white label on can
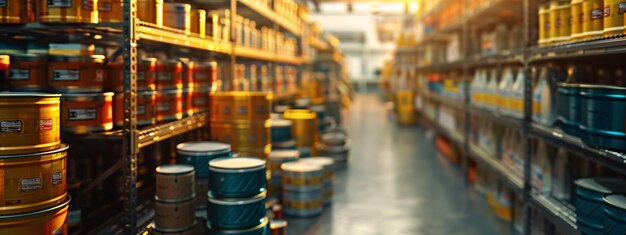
<point>59,3</point>
<point>104,6</point>
<point>57,178</point>
<point>58,231</point>
<point>19,74</point>
<point>45,124</point>
<point>73,217</point>
<point>163,107</point>
<point>164,76</point>
<point>596,14</point>
<point>12,126</point>
<point>82,114</point>
<point>141,109</point>
<point>88,4</point>
<point>621,8</point>
<point>65,75</point>
<point>3,3</point>
<point>30,183</point>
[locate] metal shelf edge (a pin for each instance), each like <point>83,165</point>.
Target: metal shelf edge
<point>272,16</point>
<point>501,171</point>
<point>563,219</point>
<point>164,36</point>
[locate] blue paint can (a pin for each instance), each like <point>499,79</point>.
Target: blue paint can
<point>261,229</point>
<point>569,110</point>
<point>236,213</point>
<point>605,112</point>
<point>615,214</point>
<point>281,130</point>
<point>237,177</point>
<point>200,153</point>
<point>589,201</point>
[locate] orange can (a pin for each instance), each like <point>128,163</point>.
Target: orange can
<point>198,22</point>
<point>200,99</point>
<point>150,11</point>
<point>51,220</point>
<point>145,75</point>
<point>76,73</point>
<point>189,68</point>
<point>169,105</point>
<point>205,73</point>
<point>29,72</point>
<point>82,113</point>
<point>85,11</point>
<point>110,10</point>
<point>17,11</point>
<point>146,101</point>
<point>169,75</point>
<point>188,102</point>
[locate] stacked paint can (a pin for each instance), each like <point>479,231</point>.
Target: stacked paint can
<point>146,96</point>
<point>336,145</point>
<point>243,120</point>
<point>275,159</point>
<point>590,203</point>
<point>169,86</point>
<point>237,196</point>
<point>615,214</point>
<point>34,164</point>
<point>304,129</point>
<point>281,134</point>
<point>199,154</point>
<point>328,166</point>
<point>302,194</point>
<point>174,211</point>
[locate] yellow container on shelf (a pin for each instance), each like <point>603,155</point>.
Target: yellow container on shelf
<point>198,22</point>
<point>150,11</point>
<point>405,108</point>
<point>593,23</point>
<point>240,105</point>
<point>177,16</point>
<point>614,17</point>
<point>52,220</point>
<point>110,10</point>
<point>544,24</point>
<point>559,19</point>
<point>85,11</point>
<point>576,20</point>
<point>304,127</point>
<point>17,11</point>
<point>242,135</point>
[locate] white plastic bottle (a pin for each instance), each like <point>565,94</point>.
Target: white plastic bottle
<point>541,169</point>
<point>504,90</point>
<point>492,90</point>
<point>561,177</point>
<point>516,102</point>
<point>542,99</point>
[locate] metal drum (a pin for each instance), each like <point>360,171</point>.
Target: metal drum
<point>329,175</point>
<point>304,127</point>
<point>200,99</point>
<point>169,105</point>
<point>334,138</point>
<point>281,130</point>
<point>613,18</point>
<point>85,11</point>
<point>559,17</point>
<point>237,177</point>
<point>290,144</point>
<point>174,183</point>
<point>169,75</point>
<point>51,220</point>
<point>205,73</point>
<point>236,213</point>
<point>145,75</point>
<point>110,10</point>
<point>569,110</point>
<point>261,229</point>
<point>589,201</point>
<point>150,11</point>
<point>576,8</point>
<point>146,102</point>
<point>242,136</point>
<point>301,177</point>
<point>82,113</point>
<point>29,122</point>
<point>605,112</point>
<point>593,23</point>
<point>174,216</point>
<point>193,230</point>
<point>615,215</point>
<point>303,204</point>
<point>17,11</point>
<point>32,182</point>
<point>278,227</point>
<point>29,72</point>
<point>76,73</point>
<point>339,153</point>
<point>178,16</point>
<point>238,105</point>
<point>199,154</point>
<point>275,159</point>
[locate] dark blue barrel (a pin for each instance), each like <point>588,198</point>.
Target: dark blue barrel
<point>589,201</point>
<point>261,229</point>
<point>604,110</point>
<point>237,177</point>
<point>568,108</point>
<point>615,214</point>
<point>281,130</point>
<point>200,153</point>
<point>236,213</point>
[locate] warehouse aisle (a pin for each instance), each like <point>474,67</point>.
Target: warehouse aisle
<point>395,184</point>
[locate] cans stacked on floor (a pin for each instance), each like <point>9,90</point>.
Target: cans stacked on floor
<point>281,134</point>
<point>302,189</point>
<point>199,154</point>
<point>328,166</point>
<point>275,159</point>
<point>236,198</point>
<point>174,201</point>
<point>304,129</point>
<point>336,145</point>
<point>33,162</point>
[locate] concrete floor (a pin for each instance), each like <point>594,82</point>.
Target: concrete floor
<point>395,184</point>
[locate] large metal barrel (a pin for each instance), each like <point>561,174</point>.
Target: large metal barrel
<point>52,220</point>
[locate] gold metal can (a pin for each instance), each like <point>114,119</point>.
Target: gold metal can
<point>17,11</point>
<point>304,128</point>
<point>593,23</point>
<point>85,11</point>
<point>32,182</point>
<point>237,105</point>
<point>177,16</point>
<point>52,220</point>
<point>76,73</point>
<point>29,122</point>
<point>559,17</point>
<point>82,113</point>
<point>544,24</point>
<point>150,11</point>
<point>576,19</point>
<point>242,135</point>
<point>198,22</point>
<point>614,17</point>
<point>28,72</point>
<point>110,10</point>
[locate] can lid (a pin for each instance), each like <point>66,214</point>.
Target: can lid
<point>298,166</point>
<point>237,163</point>
<point>299,114</point>
<point>284,144</point>
<point>318,161</point>
<point>603,185</point>
<point>203,148</point>
<point>281,123</point>
<point>237,201</point>
<point>261,226</point>
<point>283,154</point>
<point>278,224</point>
<point>6,94</point>
<point>616,200</point>
<point>174,169</point>
<point>334,137</point>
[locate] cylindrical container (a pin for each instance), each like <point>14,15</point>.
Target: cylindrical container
<point>15,11</point>
<point>188,110</point>
<point>577,19</point>
<point>278,157</point>
<point>174,183</point>
<point>320,110</point>
<point>593,24</point>
<point>303,204</point>
<point>169,75</point>
<point>605,112</point>
<point>32,182</point>
<point>193,230</point>
<point>169,105</point>
<point>615,215</point>
<point>110,10</point>
<point>200,99</point>
<point>569,109</point>
<point>614,17</point>
<point>334,138</point>
<point>281,130</point>
<point>179,215</point>
<point>188,70</point>
<point>544,24</point>
<point>205,74</point>
<point>242,136</point>
<point>198,22</point>
<point>29,122</point>
<point>238,105</point>
<point>178,16</point>
<point>559,18</point>
<point>28,72</point>
<point>76,73</point>
<point>339,153</point>
<point>150,11</point>
<point>236,213</point>
<point>146,100</point>
<point>200,153</point>
<point>85,11</point>
<point>589,201</point>
<point>278,227</point>
<point>290,144</point>
<point>52,220</point>
<point>329,174</point>
<point>301,177</point>
<point>237,177</point>
<point>304,126</point>
<point>82,113</point>
<point>261,229</point>
<point>145,75</point>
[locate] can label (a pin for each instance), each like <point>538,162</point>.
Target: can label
<point>607,11</point>
<point>30,183</point>
<point>105,6</point>
<point>164,76</point>
<point>57,178</point>
<point>88,4</point>
<point>621,8</point>
<point>596,14</point>
<point>3,3</point>
<point>11,126</point>
<point>59,3</point>
<point>19,74</point>
<point>82,114</point>
<point>243,110</point>
<point>58,231</point>
<point>163,107</point>
<point>45,124</point>
<point>65,75</point>
<point>73,217</point>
